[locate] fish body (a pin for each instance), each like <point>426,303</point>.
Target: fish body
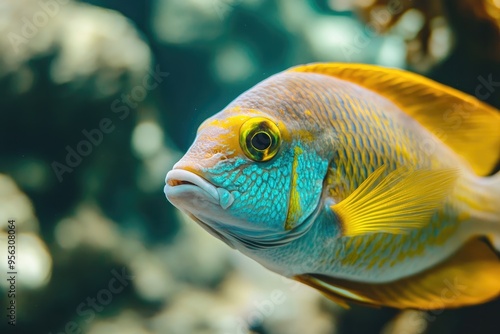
<point>364,182</point>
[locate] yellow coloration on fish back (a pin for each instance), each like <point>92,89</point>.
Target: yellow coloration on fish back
<point>459,120</point>
<point>304,135</point>
<point>294,209</point>
<point>404,199</point>
<point>471,276</point>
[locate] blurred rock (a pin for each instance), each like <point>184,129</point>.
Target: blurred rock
<point>14,204</point>
<point>127,322</point>
<point>408,321</point>
<point>79,35</point>
<point>196,257</point>
<point>239,306</point>
<point>32,260</point>
<point>81,66</point>
<point>88,229</point>
<point>28,256</point>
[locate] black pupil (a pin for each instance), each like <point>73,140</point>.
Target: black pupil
<point>261,141</point>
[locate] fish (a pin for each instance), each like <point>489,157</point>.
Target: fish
<point>373,185</point>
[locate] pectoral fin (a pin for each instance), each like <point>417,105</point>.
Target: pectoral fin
<point>402,200</point>
<point>471,276</point>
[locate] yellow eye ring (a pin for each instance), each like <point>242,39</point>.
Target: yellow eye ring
<point>260,139</point>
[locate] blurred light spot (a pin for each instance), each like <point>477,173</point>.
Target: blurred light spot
<point>410,23</point>
<point>392,52</point>
<point>68,234</point>
<point>381,16</point>
<point>150,280</point>
<point>88,227</point>
<point>33,174</point>
<point>152,174</point>
<point>34,263</point>
<point>340,39</point>
<point>15,204</point>
<point>341,5</point>
<point>297,15</point>
<point>234,63</point>
<point>440,41</point>
<point>349,5</point>
<point>127,322</point>
<point>187,21</point>
<point>190,311</point>
<point>407,321</point>
<point>492,8</point>
<point>77,50</point>
<point>102,43</point>
<point>147,139</point>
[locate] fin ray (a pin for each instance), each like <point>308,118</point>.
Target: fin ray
<point>402,200</point>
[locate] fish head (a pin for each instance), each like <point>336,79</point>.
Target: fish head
<point>250,175</point>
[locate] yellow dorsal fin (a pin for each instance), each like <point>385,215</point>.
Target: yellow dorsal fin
<point>471,276</point>
<point>467,125</point>
<point>402,200</point>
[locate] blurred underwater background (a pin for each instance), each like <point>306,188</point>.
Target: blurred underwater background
<point>99,99</point>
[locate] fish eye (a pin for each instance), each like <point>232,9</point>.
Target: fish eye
<point>260,139</point>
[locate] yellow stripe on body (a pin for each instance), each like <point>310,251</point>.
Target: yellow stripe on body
<point>294,208</point>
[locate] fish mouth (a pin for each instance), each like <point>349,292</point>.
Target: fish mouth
<point>205,203</point>
<point>183,186</point>
<point>199,199</point>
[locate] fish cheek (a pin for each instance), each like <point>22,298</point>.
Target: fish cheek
<point>260,191</point>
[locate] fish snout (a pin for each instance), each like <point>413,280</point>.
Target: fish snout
<point>186,188</point>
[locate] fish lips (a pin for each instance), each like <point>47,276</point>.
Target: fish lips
<point>199,199</point>
<point>192,193</point>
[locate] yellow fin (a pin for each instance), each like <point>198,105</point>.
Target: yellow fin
<point>467,125</point>
<point>469,277</point>
<point>402,200</point>
<point>333,292</point>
